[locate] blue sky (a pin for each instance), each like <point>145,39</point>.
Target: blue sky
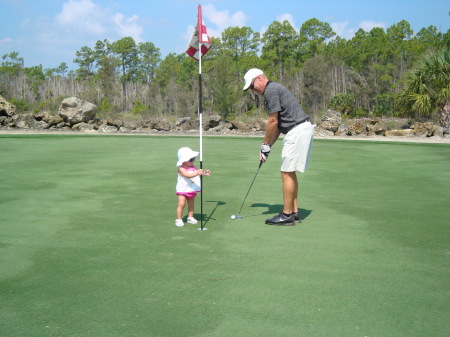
<point>49,32</point>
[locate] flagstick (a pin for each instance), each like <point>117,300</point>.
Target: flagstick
<point>201,129</point>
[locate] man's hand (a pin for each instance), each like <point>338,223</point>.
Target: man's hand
<point>265,151</point>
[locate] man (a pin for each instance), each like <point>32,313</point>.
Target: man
<point>286,116</point>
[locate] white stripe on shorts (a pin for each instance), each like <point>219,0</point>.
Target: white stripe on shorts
<point>297,148</point>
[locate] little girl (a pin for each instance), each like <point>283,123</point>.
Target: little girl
<point>188,184</point>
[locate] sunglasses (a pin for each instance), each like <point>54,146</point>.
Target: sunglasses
<point>252,85</point>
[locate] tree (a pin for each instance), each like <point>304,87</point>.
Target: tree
<point>400,31</point>
<point>279,45</point>
<point>313,35</point>
<point>240,41</point>
<point>85,58</point>
<point>35,77</point>
<point>317,87</point>
<point>12,64</point>
<point>11,69</point>
<point>222,85</point>
<point>62,69</point>
<point>127,53</point>
<point>427,88</point>
<point>150,57</point>
<point>239,50</point>
<point>344,103</point>
<point>106,78</point>
<point>430,36</point>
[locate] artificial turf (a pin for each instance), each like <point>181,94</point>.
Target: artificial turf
<point>88,245</point>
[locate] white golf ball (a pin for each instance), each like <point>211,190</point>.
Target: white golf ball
<point>233,217</point>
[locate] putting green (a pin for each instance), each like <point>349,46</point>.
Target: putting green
<point>88,245</point>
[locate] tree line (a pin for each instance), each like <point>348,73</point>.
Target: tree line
<point>374,73</point>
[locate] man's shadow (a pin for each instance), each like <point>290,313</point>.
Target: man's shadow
<point>274,209</point>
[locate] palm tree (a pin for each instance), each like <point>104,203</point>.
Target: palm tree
<point>427,88</point>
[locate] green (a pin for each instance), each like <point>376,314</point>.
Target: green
<point>88,244</point>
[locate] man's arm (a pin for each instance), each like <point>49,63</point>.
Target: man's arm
<point>272,131</point>
<point>271,136</point>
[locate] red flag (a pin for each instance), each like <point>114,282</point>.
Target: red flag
<point>199,36</point>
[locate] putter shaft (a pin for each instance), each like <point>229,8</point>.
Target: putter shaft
<point>260,163</point>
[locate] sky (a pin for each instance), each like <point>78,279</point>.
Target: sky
<point>49,32</point>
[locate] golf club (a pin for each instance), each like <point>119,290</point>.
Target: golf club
<point>239,216</point>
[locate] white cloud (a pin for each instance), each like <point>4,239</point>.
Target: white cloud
<point>342,29</point>
<point>221,20</point>
<point>216,22</point>
<point>289,18</point>
<point>5,40</point>
<point>82,15</point>
<point>369,25</point>
<point>128,26</point>
<point>95,21</point>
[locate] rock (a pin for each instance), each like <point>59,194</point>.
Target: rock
<point>40,125</point>
<point>342,131</point>
<point>356,129</point>
<point>376,127</point>
<point>331,121</point>
<point>187,125</point>
<point>124,129</point>
<point>183,120</point>
<point>83,127</point>
<point>426,129</point>
<point>223,127</point>
<point>6,109</point>
<point>74,110</point>
<point>118,123</point>
<point>107,128</point>
<point>131,125</point>
<point>399,133</point>
<point>53,120</point>
<point>41,115</point>
<point>240,126</point>
<point>439,131</point>
<point>24,121</point>
<point>161,124</point>
<point>259,125</point>
<point>319,132</point>
<point>212,122</point>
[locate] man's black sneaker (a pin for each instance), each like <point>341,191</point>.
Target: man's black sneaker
<point>297,217</point>
<point>281,220</point>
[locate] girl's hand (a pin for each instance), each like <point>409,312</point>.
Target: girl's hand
<point>201,172</point>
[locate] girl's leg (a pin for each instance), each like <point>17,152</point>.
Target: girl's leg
<point>181,204</point>
<point>191,207</point>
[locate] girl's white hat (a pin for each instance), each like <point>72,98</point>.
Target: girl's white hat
<point>184,154</point>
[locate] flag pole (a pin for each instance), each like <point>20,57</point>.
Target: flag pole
<point>200,112</point>
<point>198,45</point>
<point>200,109</point>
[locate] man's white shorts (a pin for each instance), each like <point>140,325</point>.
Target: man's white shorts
<point>297,148</point>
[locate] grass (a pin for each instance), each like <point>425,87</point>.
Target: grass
<point>88,245</point>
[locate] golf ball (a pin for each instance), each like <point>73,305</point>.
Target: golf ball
<point>233,217</point>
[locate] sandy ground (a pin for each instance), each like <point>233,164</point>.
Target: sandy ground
<point>432,140</point>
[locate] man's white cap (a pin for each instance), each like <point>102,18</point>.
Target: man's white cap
<point>250,75</point>
<point>184,154</point>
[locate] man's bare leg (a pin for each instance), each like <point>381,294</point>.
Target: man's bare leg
<point>290,191</point>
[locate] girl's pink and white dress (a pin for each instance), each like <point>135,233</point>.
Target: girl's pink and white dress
<point>188,186</point>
